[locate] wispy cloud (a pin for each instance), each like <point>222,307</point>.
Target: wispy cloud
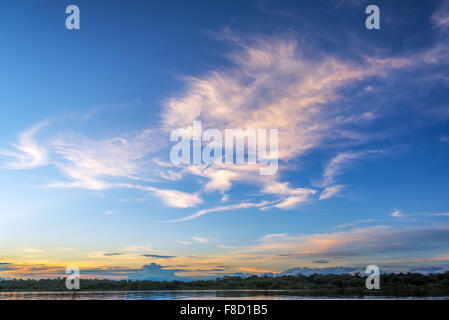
<point>399,214</point>
<point>440,18</point>
<point>176,199</point>
<point>200,239</point>
<point>269,83</point>
<point>183,242</point>
<point>331,191</point>
<point>88,162</point>
<point>355,242</point>
<point>29,153</point>
<point>354,223</point>
<point>291,196</point>
<point>338,164</point>
<point>244,205</point>
<point>157,256</point>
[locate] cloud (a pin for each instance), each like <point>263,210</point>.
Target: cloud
<point>290,202</point>
<point>88,162</point>
<point>354,223</point>
<point>183,242</point>
<point>221,176</point>
<point>338,164</point>
<point>33,250</point>
<point>136,248</point>
<point>112,254</point>
<point>355,244</point>
<point>177,199</point>
<point>171,198</point>
<point>440,18</point>
<point>157,256</point>
<point>396,214</point>
<point>200,239</point>
<point>291,196</point>
<point>109,212</point>
<point>7,266</point>
<point>269,82</point>
<point>283,188</point>
<point>48,271</point>
<point>271,85</point>
<point>157,272</point>
<point>444,214</point>
<point>271,236</point>
<point>331,191</point>
<point>29,153</point>
<point>321,261</point>
<point>244,205</point>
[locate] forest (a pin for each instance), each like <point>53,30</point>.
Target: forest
<point>404,284</point>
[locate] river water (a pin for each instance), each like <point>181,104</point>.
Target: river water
<point>186,295</point>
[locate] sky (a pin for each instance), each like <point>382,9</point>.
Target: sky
<point>86,117</point>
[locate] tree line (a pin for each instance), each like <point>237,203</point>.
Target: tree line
<point>403,284</point>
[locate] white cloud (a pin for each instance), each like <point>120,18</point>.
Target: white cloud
<point>221,176</point>
<point>244,205</point>
<point>30,154</point>
<point>291,196</point>
<point>331,191</point>
<point>200,239</point>
<point>271,236</point>
<point>33,250</point>
<point>290,202</point>
<point>270,83</point>
<point>171,198</point>
<point>397,214</point>
<point>283,188</point>
<point>177,199</point>
<point>88,162</point>
<point>338,164</point>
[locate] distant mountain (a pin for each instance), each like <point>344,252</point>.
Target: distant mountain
<point>329,270</point>
<point>304,271</point>
<point>241,275</point>
<point>429,270</point>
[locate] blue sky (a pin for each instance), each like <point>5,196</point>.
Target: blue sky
<point>86,116</point>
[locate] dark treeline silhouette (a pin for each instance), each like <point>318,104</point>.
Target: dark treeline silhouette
<point>409,284</point>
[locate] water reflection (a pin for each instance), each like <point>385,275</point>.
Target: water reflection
<point>182,295</point>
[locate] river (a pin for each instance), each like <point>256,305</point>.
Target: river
<point>188,295</point>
